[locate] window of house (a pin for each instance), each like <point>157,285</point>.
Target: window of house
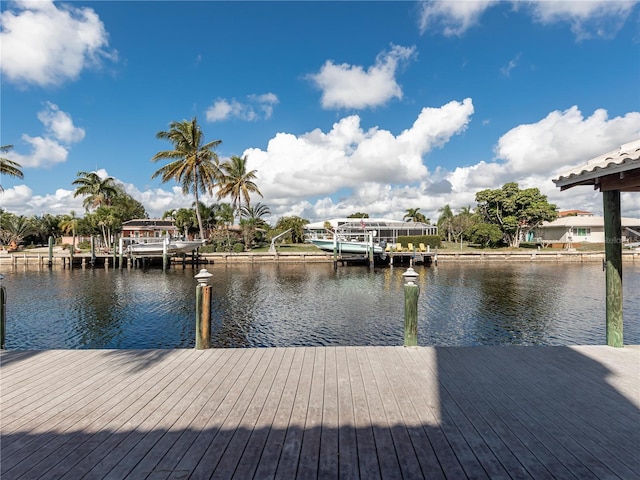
<point>582,232</point>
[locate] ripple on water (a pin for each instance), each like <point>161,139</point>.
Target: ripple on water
<point>293,305</point>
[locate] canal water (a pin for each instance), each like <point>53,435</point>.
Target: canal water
<point>268,305</point>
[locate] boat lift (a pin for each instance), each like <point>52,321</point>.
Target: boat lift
<point>272,248</point>
<point>635,244</point>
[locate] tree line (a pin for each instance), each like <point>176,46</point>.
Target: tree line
<point>502,216</point>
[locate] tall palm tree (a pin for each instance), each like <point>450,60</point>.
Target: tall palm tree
<point>445,220</point>
<point>193,164</point>
<point>9,167</point>
<point>96,190</point>
<point>237,182</point>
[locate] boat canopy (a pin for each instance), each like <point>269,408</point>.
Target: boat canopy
<point>384,230</point>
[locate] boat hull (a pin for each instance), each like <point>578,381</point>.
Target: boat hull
<point>346,246</point>
<point>158,248</point>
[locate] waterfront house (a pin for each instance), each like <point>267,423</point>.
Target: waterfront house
<point>571,230</point>
<point>149,228</point>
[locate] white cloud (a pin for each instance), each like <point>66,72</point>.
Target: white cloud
<point>452,18</point>
<point>533,154</point>
<point>320,164</point>
<point>513,63</point>
<point>59,124</point>
<point>14,198</point>
<point>600,17</point>
<point>564,138</point>
<point>45,152</point>
<point>603,18</point>
<point>48,150</point>
<point>350,86</point>
<point>21,201</point>
<point>45,44</point>
<point>257,107</point>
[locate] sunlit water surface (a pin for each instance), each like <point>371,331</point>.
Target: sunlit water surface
<point>460,304</point>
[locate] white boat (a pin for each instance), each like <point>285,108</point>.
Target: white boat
<point>186,246</point>
<point>170,246</point>
<point>347,246</point>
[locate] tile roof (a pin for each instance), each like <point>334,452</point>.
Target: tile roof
<point>623,159</point>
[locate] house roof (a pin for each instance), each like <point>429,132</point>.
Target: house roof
<point>616,170</point>
<point>148,223</point>
<point>584,221</point>
<point>568,213</point>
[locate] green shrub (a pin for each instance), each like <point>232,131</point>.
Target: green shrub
<point>207,249</point>
<point>432,241</point>
<point>238,247</point>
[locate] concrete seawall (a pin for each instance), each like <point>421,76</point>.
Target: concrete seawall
<point>42,259</point>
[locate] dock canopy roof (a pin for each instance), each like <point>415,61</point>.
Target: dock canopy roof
<point>616,170</point>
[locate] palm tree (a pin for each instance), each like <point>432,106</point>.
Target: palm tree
<point>97,191</point>
<point>413,215</point>
<point>237,182</point>
<point>193,164</point>
<point>69,224</point>
<point>254,213</point>
<point>14,228</point>
<point>252,220</point>
<point>445,221</point>
<point>9,167</point>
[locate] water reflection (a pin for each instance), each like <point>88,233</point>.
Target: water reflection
<point>310,304</point>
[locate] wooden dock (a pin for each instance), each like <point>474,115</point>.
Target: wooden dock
<point>322,412</point>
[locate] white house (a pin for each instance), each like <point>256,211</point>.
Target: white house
<point>568,231</point>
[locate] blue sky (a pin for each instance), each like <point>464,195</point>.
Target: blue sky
<point>341,107</point>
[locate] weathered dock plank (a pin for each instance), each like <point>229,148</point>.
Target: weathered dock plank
<point>334,412</point>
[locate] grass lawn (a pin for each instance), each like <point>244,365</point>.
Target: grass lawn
<point>524,247</point>
<point>289,247</point>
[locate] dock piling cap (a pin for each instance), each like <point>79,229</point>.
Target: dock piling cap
<point>203,277</point>
<point>410,276</point>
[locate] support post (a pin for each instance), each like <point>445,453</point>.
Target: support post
<point>114,252</point>
<point>165,246</point>
<point>50,250</point>
<point>613,266</point>
<point>411,293</point>
<point>93,251</point>
<point>371,260</point>
<point>120,253</point>
<point>3,315</point>
<point>203,310</point>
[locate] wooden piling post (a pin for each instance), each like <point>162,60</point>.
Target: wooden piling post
<point>165,246</point>
<point>370,251</point>
<point>613,266</point>
<point>120,253</point>
<point>93,251</point>
<point>50,250</point>
<point>411,293</point>
<point>203,310</point>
